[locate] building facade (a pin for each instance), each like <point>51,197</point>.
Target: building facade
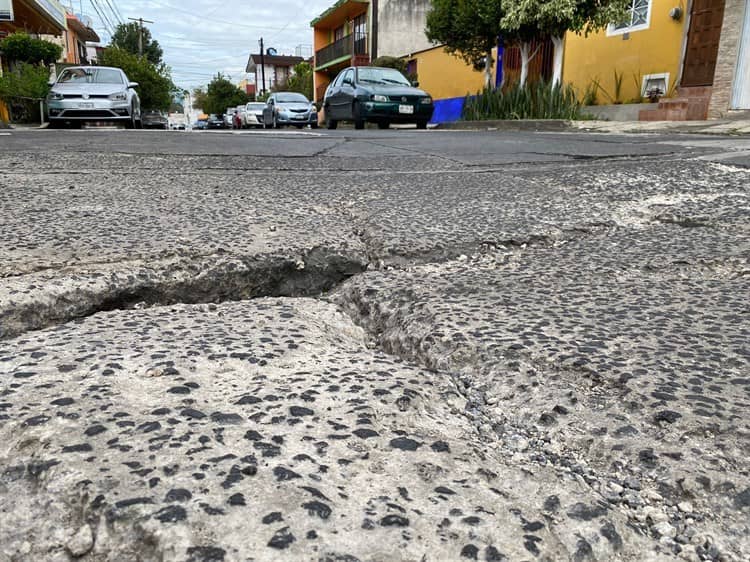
<point>35,17</point>
<point>271,71</point>
<point>695,53</point>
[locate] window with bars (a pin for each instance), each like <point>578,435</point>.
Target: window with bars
<point>640,16</point>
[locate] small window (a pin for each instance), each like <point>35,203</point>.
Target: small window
<point>338,33</point>
<point>640,18</point>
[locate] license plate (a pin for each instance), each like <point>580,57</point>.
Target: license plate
<point>298,117</point>
<point>406,109</point>
<point>84,105</point>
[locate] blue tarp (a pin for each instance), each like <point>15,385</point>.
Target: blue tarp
<point>448,110</point>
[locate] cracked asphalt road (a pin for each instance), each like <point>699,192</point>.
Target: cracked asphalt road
<point>374,345</point>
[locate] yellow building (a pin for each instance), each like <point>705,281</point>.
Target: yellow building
<point>650,46</point>
<point>692,51</point>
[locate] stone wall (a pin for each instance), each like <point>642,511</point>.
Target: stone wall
<point>726,64</point>
<point>401,25</point>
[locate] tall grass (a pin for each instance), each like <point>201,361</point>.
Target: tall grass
<point>534,101</point>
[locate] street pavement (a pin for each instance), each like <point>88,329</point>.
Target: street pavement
<point>374,345</point>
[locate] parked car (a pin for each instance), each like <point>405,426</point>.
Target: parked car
<point>155,120</point>
<point>200,125</point>
<point>93,93</point>
<point>377,95</point>
<point>215,122</point>
<point>289,108</point>
<point>239,117</point>
<point>229,116</point>
<point>254,114</point>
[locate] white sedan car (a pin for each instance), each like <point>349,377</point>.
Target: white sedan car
<point>254,114</point>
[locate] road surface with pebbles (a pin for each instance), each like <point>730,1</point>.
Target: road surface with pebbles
<point>374,345</point>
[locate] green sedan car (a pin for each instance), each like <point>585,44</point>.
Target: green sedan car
<point>377,95</point>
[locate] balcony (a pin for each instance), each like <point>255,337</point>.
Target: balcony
<point>353,46</point>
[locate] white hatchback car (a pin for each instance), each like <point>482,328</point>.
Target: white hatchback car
<point>93,93</point>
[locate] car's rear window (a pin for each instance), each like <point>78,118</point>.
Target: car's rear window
<point>90,76</point>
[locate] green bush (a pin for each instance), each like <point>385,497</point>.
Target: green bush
<point>155,87</point>
<point>21,47</point>
<point>534,101</point>
<point>22,88</point>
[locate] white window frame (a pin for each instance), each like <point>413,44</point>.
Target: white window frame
<point>6,7</point>
<point>647,77</point>
<point>613,31</point>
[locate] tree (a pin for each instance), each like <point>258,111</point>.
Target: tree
<point>553,18</point>
<point>221,94</point>
<point>468,28</point>
<point>127,37</point>
<point>199,98</point>
<point>155,86</point>
<point>20,47</point>
<point>301,80</point>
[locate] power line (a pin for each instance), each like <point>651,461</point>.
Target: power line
<point>115,15</point>
<point>116,9</point>
<point>105,22</point>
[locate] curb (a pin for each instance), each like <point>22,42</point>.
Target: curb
<point>508,125</point>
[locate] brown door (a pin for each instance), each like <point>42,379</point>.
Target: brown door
<point>703,42</point>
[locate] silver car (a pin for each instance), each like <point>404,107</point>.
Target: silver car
<point>289,108</point>
<point>93,93</point>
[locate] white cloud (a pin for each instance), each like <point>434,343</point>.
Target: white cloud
<point>203,37</point>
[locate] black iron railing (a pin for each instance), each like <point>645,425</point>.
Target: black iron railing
<point>349,45</point>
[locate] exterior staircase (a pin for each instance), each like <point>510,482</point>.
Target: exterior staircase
<point>691,104</point>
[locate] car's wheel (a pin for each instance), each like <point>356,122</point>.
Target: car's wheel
<point>359,122</point>
<point>55,124</point>
<point>421,124</point>
<point>139,124</point>
<point>314,125</point>
<point>275,122</point>
<point>384,124</point>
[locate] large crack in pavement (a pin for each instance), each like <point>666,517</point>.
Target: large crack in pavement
<point>562,380</point>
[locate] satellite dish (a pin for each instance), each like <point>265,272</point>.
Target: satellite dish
<point>271,52</point>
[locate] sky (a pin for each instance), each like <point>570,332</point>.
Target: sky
<point>203,37</point>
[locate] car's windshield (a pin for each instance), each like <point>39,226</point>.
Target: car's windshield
<point>256,106</point>
<point>90,76</point>
<point>382,76</point>
<point>291,98</point>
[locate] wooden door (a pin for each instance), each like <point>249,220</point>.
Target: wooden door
<point>703,42</point>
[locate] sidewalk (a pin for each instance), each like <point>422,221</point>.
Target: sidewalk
<point>712,127</point>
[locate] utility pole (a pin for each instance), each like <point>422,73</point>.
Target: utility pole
<point>262,67</point>
<point>141,21</point>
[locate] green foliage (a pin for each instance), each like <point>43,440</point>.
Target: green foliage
<point>394,62</point>
<point>199,98</point>
<point>126,38</point>
<point>618,78</point>
<point>221,94</point>
<point>22,88</point>
<point>155,87</point>
<point>590,94</point>
<point>555,17</point>
<point>468,28</point>
<point>301,80</point>
<point>21,47</point>
<point>536,101</point>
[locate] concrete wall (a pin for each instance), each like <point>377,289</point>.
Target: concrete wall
<point>655,50</point>
<point>726,63</point>
<point>401,25</point>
